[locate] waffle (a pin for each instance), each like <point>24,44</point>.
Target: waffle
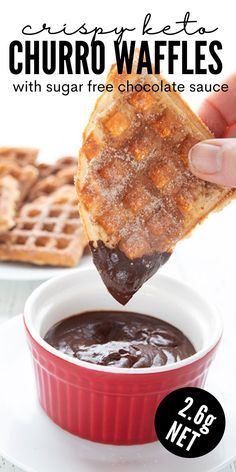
<point>47,232</point>
<point>62,163</point>
<point>22,156</point>
<point>9,198</point>
<point>53,177</point>
<point>43,170</point>
<point>25,176</point>
<point>137,195</point>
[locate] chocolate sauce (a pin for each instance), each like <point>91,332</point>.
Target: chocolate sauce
<point>121,275</point>
<point>120,339</point>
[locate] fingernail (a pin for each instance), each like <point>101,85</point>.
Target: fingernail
<point>205,158</point>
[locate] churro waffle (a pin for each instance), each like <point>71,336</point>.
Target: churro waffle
<point>9,198</point>
<point>64,163</point>
<point>26,176</point>
<point>53,177</point>
<point>22,156</point>
<point>137,195</point>
<point>47,232</point>
<point>61,163</point>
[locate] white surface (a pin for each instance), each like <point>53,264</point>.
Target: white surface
<point>33,442</point>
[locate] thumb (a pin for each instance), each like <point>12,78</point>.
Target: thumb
<point>215,160</point>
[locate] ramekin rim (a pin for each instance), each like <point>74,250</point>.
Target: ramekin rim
<point>118,370</point>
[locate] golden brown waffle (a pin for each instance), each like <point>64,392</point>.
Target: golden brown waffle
<point>9,199</point>
<point>26,176</point>
<point>43,169</point>
<point>22,156</point>
<point>137,195</point>
<point>62,163</point>
<point>48,231</point>
<point>53,177</point>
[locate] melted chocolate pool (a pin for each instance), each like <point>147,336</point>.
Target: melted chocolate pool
<point>120,339</point>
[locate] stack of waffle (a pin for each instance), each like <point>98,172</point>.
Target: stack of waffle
<point>39,219</point>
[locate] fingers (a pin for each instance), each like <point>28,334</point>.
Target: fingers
<point>212,117</point>
<point>218,111</point>
<point>215,160</point>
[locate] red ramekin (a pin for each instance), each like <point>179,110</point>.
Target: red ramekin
<point>109,404</point>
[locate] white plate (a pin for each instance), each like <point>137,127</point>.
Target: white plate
<point>19,271</point>
<point>30,440</point>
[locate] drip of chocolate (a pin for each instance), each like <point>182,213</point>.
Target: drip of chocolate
<point>120,339</point>
<point>121,275</point>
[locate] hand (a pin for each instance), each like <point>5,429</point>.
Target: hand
<point>215,159</point>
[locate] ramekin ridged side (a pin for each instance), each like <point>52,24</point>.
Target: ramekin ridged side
<point>108,407</point>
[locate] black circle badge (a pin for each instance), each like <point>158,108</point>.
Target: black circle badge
<point>190,422</point>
